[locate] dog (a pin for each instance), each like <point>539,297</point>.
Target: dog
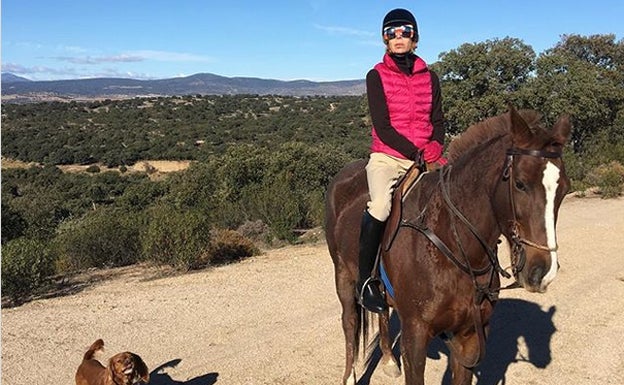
<point>123,368</point>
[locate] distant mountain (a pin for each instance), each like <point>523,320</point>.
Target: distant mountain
<point>10,78</point>
<point>203,83</point>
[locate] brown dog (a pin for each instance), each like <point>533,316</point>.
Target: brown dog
<point>123,369</point>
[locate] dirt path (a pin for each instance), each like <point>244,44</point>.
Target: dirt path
<point>275,319</point>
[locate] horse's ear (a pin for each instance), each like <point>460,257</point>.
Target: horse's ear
<point>520,130</point>
<point>561,130</point>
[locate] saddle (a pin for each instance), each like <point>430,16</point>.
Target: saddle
<point>404,185</point>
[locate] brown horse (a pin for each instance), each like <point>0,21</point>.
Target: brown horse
<point>505,176</point>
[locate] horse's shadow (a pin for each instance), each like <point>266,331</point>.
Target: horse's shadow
<point>512,320</point>
<point>158,376</point>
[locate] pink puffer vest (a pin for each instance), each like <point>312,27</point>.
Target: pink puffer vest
<point>409,100</point>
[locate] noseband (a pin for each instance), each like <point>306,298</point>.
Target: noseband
<point>518,250</point>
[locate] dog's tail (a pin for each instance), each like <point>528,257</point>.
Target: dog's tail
<point>97,345</point>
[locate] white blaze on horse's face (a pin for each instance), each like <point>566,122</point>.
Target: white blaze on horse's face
<point>551,183</point>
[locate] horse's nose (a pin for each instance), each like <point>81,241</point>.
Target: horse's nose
<point>536,275</point>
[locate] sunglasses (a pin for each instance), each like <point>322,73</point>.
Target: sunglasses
<point>406,31</point>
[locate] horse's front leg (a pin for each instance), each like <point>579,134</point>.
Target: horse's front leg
<point>465,351</point>
<point>414,341</point>
<point>461,374</point>
<point>388,362</point>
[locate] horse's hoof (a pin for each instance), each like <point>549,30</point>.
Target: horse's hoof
<point>391,369</point>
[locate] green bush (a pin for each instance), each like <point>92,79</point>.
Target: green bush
<point>27,265</point>
<point>609,178</point>
<point>101,238</point>
<point>175,237</point>
<point>13,225</point>
<point>93,169</point>
<point>277,205</point>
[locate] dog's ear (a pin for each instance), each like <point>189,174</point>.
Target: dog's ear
<point>112,369</point>
<point>116,368</point>
<point>140,368</point>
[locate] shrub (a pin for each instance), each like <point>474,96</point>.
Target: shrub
<point>27,265</point>
<point>93,169</point>
<point>257,231</point>
<point>175,237</point>
<point>13,225</point>
<point>276,204</point>
<point>576,167</point>
<point>229,246</point>
<point>609,178</point>
<point>101,238</point>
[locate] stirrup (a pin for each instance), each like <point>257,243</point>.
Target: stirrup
<point>376,308</point>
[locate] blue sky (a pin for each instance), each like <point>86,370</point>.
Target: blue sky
<point>317,40</point>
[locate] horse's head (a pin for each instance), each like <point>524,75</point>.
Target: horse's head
<point>529,195</point>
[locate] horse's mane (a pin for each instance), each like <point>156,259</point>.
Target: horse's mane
<point>488,129</point>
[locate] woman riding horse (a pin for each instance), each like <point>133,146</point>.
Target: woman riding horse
<point>505,176</point>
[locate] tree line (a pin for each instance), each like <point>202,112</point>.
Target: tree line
<point>261,164</point>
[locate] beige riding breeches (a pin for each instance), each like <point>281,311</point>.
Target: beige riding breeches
<point>382,172</point>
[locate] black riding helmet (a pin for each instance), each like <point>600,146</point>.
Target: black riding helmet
<point>400,16</point>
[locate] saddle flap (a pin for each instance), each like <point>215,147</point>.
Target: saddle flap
<point>404,186</point>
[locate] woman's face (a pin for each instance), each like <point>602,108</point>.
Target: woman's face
<point>401,45</point>
<point>399,39</point>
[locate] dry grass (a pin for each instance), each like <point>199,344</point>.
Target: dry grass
<point>155,167</point>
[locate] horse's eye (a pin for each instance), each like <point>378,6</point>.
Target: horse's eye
<point>520,185</point>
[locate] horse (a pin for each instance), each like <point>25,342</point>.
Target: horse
<point>505,177</point>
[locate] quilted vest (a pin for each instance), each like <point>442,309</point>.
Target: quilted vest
<point>409,100</point>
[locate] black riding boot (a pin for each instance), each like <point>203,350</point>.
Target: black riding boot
<point>368,292</point>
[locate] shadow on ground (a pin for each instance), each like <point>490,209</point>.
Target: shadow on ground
<point>159,376</point>
<point>514,320</point>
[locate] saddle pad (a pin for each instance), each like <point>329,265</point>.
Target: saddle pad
<point>386,281</point>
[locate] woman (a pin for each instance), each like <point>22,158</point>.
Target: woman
<point>405,104</point>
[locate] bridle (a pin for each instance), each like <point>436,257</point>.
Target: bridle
<point>518,251</point>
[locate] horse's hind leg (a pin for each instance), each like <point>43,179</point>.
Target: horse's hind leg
<point>388,362</point>
<point>345,287</point>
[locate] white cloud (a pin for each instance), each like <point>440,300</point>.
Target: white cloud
<point>344,31</point>
<point>171,56</point>
<point>100,59</point>
<point>136,56</point>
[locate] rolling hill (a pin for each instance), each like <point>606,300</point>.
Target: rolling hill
<point>15,88</point>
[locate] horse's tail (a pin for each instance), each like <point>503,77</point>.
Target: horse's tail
<point>366,336</point>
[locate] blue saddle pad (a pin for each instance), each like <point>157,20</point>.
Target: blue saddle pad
<point>386,281</point>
